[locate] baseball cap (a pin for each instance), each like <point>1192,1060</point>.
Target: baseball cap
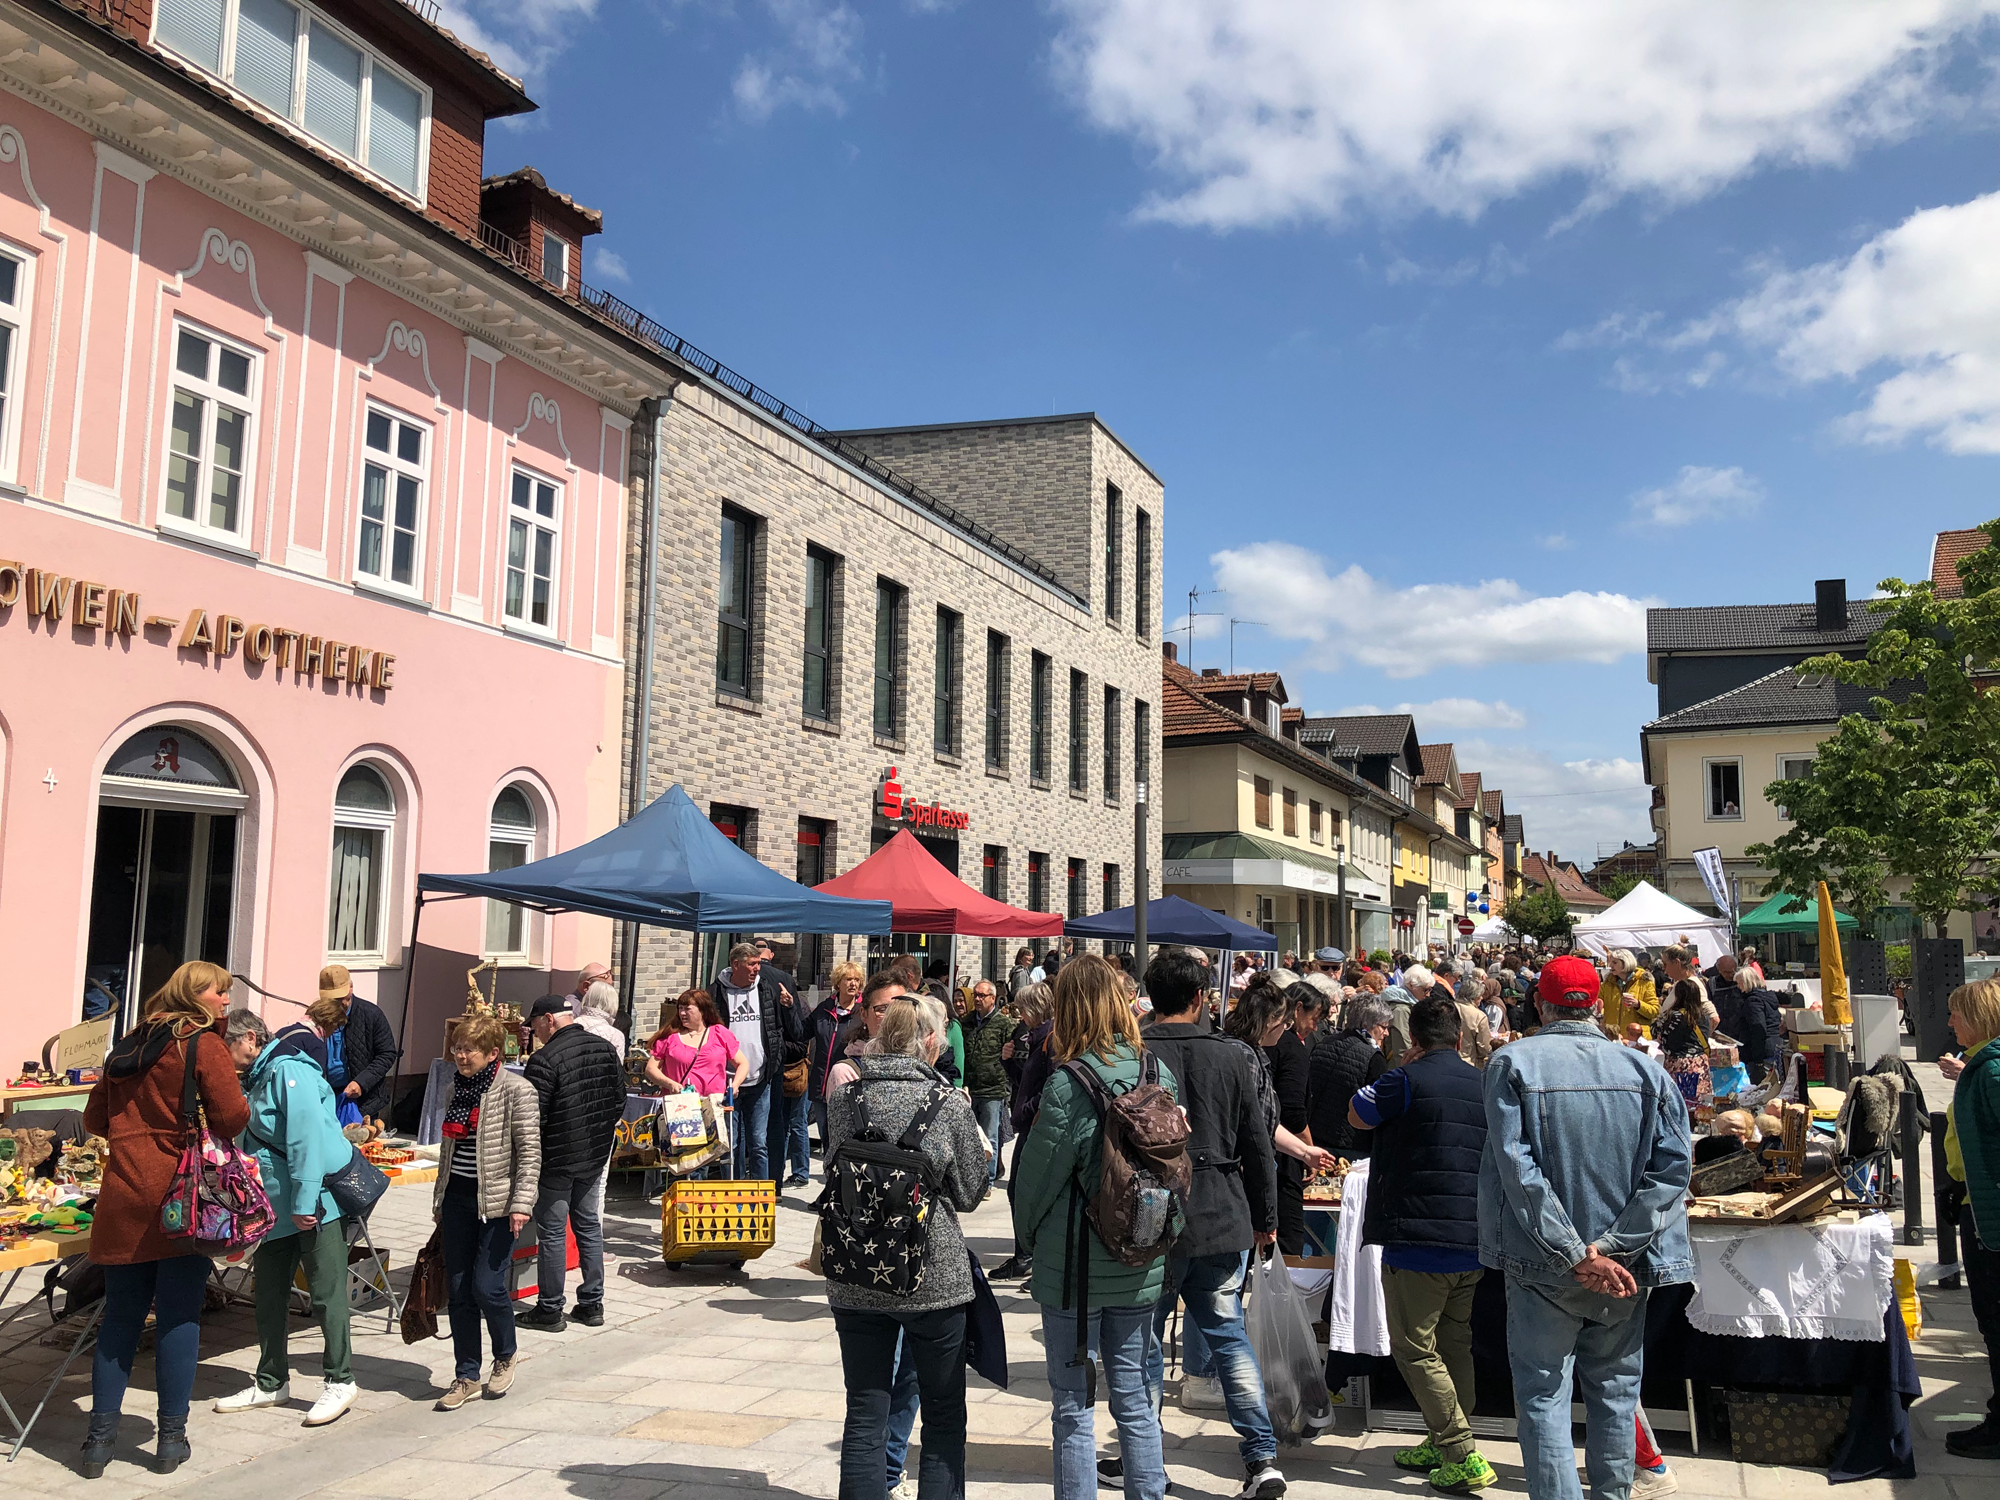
<point>1570,982</point>
<point>334,982</point>
<point>549,1005</point>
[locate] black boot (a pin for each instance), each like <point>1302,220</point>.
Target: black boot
<point>99,1444</point>
<point>172,1450</point>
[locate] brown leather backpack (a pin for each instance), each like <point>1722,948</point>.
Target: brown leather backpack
<point>1140,1206</point>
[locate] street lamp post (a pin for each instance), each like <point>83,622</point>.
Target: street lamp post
<point>1143,878</point>
<point>1340,896</point>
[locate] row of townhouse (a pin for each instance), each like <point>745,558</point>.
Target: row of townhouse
<point>347,534</point>
<point>1340,831</point>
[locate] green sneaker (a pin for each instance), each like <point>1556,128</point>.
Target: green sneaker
<point>1424,1456</point>
<point>1470,1473</point>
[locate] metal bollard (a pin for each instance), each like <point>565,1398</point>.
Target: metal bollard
<point>1837,1070</point>
<point>1946,1197</point>
<point>1913,1173</point>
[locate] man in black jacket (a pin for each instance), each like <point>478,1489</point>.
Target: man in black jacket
<point>1232,1204</point>
<point>1428,1118</point>
<point>368,1045</point>
<point>765,1019</point>
<point>1753,1015</point>
<point>581,1080</point>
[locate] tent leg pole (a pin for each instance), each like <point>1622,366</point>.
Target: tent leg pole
<point>409,989</point>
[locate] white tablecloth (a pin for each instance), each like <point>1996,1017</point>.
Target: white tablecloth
<point>1357,1321</point>
<point>1826,1280</point>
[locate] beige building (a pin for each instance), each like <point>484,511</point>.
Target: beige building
<point>964,615</point>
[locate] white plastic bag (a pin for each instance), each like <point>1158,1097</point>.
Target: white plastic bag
<point>1288,1357</point>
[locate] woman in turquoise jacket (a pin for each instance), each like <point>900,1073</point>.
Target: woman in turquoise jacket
<point>294,1133</point>
<point>1094,1026</point>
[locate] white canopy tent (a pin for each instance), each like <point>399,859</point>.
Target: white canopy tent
<point>1647,917</point>
<point>1492,930</point>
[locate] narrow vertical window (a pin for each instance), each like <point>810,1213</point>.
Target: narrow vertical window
<point>13,345</point>
<point>1291,800</point>
<point>1074,895</point>
<point>732,610</point>
<point>1114,552</point>
<point>1261,790</point>
<point>1142,557</point>
<point>534,514</point>
<point>555,260</point>
<point>1142,740</point>
<point>209,432</point>
<point>392,492</point>
<point>1039,669</point>
<point>889,600</point>
<point>1113,889</point>
<point>510,843</point>
<point>819,634</point>
<point>333,91</point>
<point>1038,882</point>
<point>998,658</point>
<point>1114,750</point>
<point>364,813</point>
<point>1079,732</point>
<point>992,958</point>
<point>945,681</point>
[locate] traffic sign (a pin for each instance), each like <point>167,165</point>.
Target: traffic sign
<point>1465,925</point>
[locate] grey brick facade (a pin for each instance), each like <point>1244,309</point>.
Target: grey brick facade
<point>1042,486</point>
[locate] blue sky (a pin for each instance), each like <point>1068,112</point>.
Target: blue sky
<point>1459,333</point>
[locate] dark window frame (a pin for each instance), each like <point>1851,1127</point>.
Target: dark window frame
<point>948,682</point>
<point>1142,557</point>
<point>1040,689</point>
<point>1142,751</point>
<point>1114,743</point>
<point>999,666</point>
<point>891,608</point>
<point>823,569</point>
<point>1079,731</point>
<point>1114,552</point>
<point>735,571</point>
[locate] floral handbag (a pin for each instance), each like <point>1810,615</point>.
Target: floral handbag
<point>217,1199</point>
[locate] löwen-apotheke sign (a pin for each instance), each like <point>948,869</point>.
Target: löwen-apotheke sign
<point>896,808</point>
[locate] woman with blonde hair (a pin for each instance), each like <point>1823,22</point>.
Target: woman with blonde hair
<point>1628,995</point>
<point>1972,1156</point>
<point>136,1107</point>
<point>1095,1030</point>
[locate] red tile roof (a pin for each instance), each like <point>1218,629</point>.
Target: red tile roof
<point>1183,711</point>
<point>1950,549</point>
<point>1537,870</point>
<point>1490,805</point>
<point>1468,791</point>
<point>1437,764</point>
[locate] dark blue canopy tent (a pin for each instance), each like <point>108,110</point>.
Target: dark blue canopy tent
<point>1172,920</point>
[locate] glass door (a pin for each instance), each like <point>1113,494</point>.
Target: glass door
<point>162,894</point>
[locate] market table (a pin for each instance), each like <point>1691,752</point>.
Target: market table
<point>40,1250</point>
<point>437,1096</point>
<point>49,1096</point>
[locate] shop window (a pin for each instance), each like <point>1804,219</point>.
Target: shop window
<point>1725,789</point>
<point>14,304</point>
<point>1079,732</point>
<point>1793,768</point>
<point>945,681</point>
<point>1114,553</point>
<point>818,670</point>
<point>510,843</point>
<point>209,433</point>
<point>534,522</point>
<point>1039,670</point>
<point>1291,803</point>
<point>364,817</point>
<point>999,655</point>
<point>297,64</point>
<point>392,495</point>
<point>732,609</point>
<point>1114,749</point>
<point>891,600</point>
<point>1261,792</point>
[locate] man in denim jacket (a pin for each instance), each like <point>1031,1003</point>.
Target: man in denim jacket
<point>1582,1203</point>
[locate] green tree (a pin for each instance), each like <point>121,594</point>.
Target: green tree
<point>1541,914</point>
<point>1619,884</point>
<point>1910,788</point>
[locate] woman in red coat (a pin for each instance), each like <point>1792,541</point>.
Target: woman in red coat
<point>137,1108</point>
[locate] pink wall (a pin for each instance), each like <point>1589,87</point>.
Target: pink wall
<point>114,256</point>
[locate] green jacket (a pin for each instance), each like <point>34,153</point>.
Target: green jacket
<point>1060,1160</point>
<point>985,1076</point>
<point>1975,1119</point>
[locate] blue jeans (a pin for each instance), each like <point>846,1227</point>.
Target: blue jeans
<point>903,1398</point>
<point>933,1344</point>
<point>798,1145</point>
<point>1212,1288</point>
<point>1122,1338</point>
<point>172,1290</point>
<point>476,1255</point>
<point>579,1203</point>
<point>1550,1330</point>
<point>752,1126</point>
<point>989,1113</point>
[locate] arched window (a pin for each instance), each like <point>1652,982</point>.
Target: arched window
<point>364,816</point>
<point>510,843</point>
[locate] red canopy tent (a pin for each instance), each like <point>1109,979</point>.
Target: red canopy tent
<point>926,897</point>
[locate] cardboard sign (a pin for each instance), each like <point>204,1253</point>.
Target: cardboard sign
<point>83,1046</point>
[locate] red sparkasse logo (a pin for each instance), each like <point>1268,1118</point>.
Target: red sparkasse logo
<point>896,808</point>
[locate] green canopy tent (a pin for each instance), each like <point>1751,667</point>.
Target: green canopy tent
<point>1772,918</point>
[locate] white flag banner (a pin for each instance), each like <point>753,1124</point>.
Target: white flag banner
<point>1709,862</point>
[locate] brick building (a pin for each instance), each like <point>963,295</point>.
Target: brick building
<point>978,627</point>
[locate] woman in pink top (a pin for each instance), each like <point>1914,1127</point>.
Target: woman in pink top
<point>695,1054</point>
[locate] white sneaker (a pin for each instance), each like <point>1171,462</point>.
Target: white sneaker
<point>334,1399</point>
<point>255,1397</point>
<point>1650,1484</point>
<point>905,1489</point>
<point>1202,1393</point>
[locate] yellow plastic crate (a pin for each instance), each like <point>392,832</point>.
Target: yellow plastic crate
<point>718,1221</point>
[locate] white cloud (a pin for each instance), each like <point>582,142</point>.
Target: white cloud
<point>1451,713</point>
<point>1274,111</point>
<point>1557,541</point>
<point>1698,494</point>
<point>1916,310</point>
<point>813,62</point>
<point>1569,806</point>
<point>523,36</point>
<point>1353,617</point>
<point>608,265</point>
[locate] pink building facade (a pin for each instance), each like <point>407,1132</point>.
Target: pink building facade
<point>313,519</point>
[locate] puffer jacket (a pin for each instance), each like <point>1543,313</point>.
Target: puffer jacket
<point>1340,1064</point>
<point>985,1073</point>
<point>294,1134</point>
<point>369,1048</point>
<point>581,1081</point>
<point>1626,1003</point>
<point>823,1047</point>
<point>509,1143</point>
<point>897,1088</point>
<point>1059,1170</point>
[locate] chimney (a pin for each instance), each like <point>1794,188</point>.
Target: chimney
<point>1171,650</point>
<point>1211,671</point>
<point>1830,604</point>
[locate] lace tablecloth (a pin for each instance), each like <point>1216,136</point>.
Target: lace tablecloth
<point>1826,1280</point>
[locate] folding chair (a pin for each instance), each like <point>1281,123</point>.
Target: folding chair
<point>363,1290</point>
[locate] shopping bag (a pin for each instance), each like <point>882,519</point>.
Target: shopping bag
<point>1905,1282</point>
<point>683,1117</point>
<point>713,1146</point>
<point>1288,1356</point>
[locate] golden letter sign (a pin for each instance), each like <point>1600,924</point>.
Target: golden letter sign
<point>98,606</point>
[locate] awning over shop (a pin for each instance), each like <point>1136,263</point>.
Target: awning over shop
<point>1244,859</point>
<point>1172,920</point>
<point>926,897</point>
<point>1772,917</point>
<point>669,866</point>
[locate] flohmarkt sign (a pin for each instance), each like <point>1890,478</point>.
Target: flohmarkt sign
<point>88,605</point>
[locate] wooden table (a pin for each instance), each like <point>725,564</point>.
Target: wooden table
<point>40,1250</point>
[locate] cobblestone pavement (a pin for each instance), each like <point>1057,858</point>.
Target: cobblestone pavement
<point>707,1382</point>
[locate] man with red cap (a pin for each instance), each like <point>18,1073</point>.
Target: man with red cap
<point>1582,1203</point>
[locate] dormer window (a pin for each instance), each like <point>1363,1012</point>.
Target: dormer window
<point>555,260</point>
<point>301,66</point>
<point>1274,717</point>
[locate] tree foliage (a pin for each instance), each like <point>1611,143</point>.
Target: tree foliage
<point>1619,884</point>
<point>1541,914</point>
<point>1910,789</point>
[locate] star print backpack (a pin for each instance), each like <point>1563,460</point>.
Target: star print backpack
<point>874,1217</point>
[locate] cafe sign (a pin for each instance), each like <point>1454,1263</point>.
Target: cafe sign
<point>92,606</point>
<point>897,808</point>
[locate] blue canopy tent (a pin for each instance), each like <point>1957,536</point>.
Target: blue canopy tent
<point>1173,920</point>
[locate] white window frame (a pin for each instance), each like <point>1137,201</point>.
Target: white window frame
<point>15,317</point>
<point>1708,813</point>
<point>550,237</point>
<point>213,394</point>
<point>1784,757</point>
<point>394,466</point>
<point>530,841</point>
<point>552,524</point>
<point>371,822</point>
<point>371,59</point>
